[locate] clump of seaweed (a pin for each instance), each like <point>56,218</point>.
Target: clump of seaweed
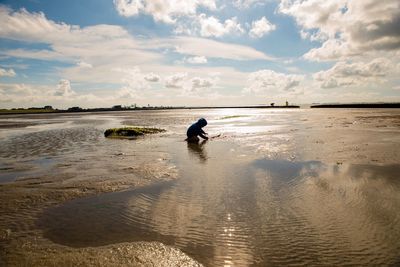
<point>131,131</point>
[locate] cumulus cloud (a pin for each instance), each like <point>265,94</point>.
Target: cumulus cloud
<point>268,81</point>
<point>39,95</point>
<point>190,85</point>
<point>200,83</point>
<point>344,74</point>
<point>128,8</point>
<point>7,73</point>
<point>175,81</point>
<point>197,60</point>
<point>135,82</point>
<point>17,89</point>
<point>151,77</point>
<point>346,28</point>
<point>166,11</point>
<point>64,89</point>
<point>261,27</point>
<point>127,92</point>
<point>21,93</point>
<point>212,27</point>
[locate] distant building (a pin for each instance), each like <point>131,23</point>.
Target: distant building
<point>117,107</point>
<point>48,107</point>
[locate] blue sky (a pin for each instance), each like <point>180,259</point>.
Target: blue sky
<point>198,52</point>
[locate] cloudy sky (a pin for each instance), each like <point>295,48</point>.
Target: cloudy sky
<point>96,53</point>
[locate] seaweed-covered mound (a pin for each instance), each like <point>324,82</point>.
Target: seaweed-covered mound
<point>131,131</point>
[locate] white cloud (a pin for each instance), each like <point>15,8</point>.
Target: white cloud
<point>99,44</point>
<point>208,26</point>
<point>247,3</point>
<point>201,47</point>
<point>128,8</point>
<point>7,73</point>
<point>83,64</point>
<point>22,25</point>
<point>261,27</point>
<point>354,74</point>
<point>16,89</point>
<point>347,28</point>
<point>64,89</point>
<point>96,50</point>
<point>200,83</point>
<point>176,81</point>
<point>191,85</point>
<point>60,96</point>
<point>268,81</point>
<point>151,77</point>
<point>197,60</point>
<point>127,92</point>
<point>135,82</point>
<point>166,11</point>
<point>37,54</point>
<point>212,27</point>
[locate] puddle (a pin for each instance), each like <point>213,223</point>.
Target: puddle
<point>232,208</point>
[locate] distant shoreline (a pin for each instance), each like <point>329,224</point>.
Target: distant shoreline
<point>81,110</point>
<point>361,105</point>
<point>44,111</point>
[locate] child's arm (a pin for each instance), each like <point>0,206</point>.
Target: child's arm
<point>202,135</point>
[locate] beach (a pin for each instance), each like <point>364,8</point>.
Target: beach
<point>274,187</point>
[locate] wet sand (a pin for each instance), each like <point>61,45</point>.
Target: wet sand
<point>343,166</point>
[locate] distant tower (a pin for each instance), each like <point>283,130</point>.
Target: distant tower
<point>287,103</point>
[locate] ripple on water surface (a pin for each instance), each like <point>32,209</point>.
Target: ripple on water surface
<point>48,142</point>
<point>247,211</point>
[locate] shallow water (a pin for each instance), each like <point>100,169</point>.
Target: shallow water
<point>296,187</point>
<point>243,211</point>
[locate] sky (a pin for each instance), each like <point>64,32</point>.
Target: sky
<point>100,53</point>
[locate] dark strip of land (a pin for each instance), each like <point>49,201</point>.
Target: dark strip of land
<point>74,110</point>
<point>260,106</point>
<point>361,105</point>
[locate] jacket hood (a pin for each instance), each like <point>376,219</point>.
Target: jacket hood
<point>202,122</point>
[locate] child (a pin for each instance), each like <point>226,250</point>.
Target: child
<point>196,129</point>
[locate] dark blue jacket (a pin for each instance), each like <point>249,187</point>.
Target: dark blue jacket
<point>196,129</point>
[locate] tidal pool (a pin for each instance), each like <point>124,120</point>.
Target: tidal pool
<point>275,188</point>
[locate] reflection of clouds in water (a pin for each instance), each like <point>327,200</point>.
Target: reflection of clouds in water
<point>391,173</point>
<point>348,208</point>
<point>284,171</point>
<point>241,212</point>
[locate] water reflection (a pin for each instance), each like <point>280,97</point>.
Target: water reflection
<point>240,211</point>
<point>198,150</point>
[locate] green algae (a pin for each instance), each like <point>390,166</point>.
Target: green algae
<point>131,131</point>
